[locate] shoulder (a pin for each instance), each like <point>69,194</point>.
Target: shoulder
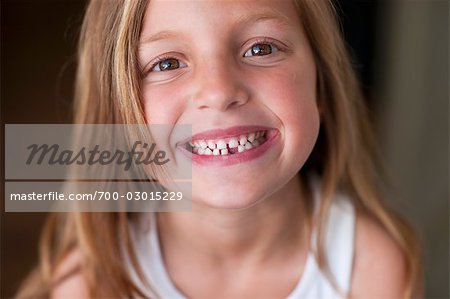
<point>68,280</point>
<point>379,263</point>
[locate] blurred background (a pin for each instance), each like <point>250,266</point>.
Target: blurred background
<point>400,50</point>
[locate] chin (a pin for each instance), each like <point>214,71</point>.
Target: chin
<point>227,199</point>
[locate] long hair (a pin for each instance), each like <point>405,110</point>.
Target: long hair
<point>107,91</point>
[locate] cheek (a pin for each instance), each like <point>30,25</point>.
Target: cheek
<point>290,93</point>
<point>163,104</point>
<point>302,119</point>
<point>300,97</point>
<point>291,97</point>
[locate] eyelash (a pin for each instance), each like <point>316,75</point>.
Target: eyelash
<point>160,59</point>
<point>267,41</point>
<point>260,41</point>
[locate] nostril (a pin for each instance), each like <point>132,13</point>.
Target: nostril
<point>234,104</point>
<point>202,107</point>
<point>222,105</point>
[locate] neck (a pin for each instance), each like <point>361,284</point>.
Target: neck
<point>274,227</point>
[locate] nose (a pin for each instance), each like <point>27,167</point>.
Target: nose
<point>218,87</point>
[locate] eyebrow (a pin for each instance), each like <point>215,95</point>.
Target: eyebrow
<point>268,15</point>
<point>166,34</point>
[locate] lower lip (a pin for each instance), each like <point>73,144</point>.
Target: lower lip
<point>236,158</point>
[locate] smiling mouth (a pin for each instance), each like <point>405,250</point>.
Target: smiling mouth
<point>227,146</point>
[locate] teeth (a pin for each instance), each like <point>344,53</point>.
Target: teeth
<point>221,144</point>
<point>251,137</point>
<point>211,144</point>
<point>220,147</point>
<point>233,143</point>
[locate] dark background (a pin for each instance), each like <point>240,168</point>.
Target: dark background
<point>403,70</point>
<point>38,42</point>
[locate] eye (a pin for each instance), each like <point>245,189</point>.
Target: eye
<point>261,49</point>
<point>167,64</point>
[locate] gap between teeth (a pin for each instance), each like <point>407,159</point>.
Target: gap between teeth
<point>221,147</point>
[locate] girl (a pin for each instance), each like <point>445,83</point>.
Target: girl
<point>285,180</point>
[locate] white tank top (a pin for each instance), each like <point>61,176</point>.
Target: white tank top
<point>313,284</point>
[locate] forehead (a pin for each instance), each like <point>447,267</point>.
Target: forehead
<point>197,15</point>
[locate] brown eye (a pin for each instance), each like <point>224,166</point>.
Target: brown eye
<point>260,50</point>
<point>166,65</point>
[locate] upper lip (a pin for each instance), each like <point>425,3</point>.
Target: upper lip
<point>215,134</point>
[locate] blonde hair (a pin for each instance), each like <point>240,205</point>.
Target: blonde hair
<point>107,91</point>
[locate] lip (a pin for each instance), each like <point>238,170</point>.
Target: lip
<point>224,133</point>
<point>236,158</point>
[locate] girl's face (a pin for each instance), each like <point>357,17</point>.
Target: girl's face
<point>242,74</point>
